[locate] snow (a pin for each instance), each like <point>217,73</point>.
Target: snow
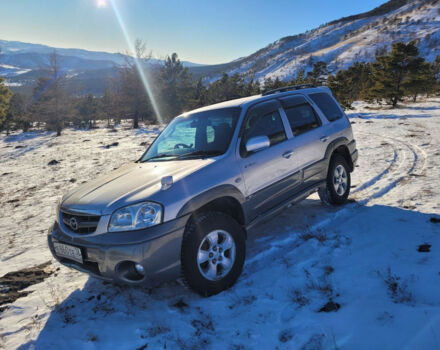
<point>363,256</point>
<point>342,43</point>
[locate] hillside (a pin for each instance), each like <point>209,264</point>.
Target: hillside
<point>341,43</point>
<point>21,63</point>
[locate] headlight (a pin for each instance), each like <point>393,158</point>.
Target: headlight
<point>135,217</point>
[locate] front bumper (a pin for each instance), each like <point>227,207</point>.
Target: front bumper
<point>105,255</point>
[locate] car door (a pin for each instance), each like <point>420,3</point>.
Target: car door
<point>267,173</point>
<point>308,142</point>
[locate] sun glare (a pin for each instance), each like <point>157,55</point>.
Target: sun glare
<point>101,3</point>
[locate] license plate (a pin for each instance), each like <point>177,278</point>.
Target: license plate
<point>68,251</point>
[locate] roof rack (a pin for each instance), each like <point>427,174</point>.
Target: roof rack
<point>288,88</point>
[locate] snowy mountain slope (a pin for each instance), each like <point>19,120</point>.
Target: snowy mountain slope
<point>343,42</point>
<point>30,55</point>
<point>22,63</point>
<point>362,276</point>
<point>339,43</point>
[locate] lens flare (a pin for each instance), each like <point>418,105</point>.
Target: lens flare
<point>138,64</point>
<point>101,3</point>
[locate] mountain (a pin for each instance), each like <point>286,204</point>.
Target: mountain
<point>21,63</point>
<point>342,42</point>
<point>339,43</point>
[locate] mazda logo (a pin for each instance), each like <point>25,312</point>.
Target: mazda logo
<point>73,223</point>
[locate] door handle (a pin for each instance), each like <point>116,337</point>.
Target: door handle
<point>248,165</point>
<point>324,138</point>
<point>287,154</point>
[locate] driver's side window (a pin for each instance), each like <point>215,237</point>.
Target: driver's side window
<point>184,135</point>
<point>263,122</point>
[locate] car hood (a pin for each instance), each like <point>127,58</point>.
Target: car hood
<point>129,184</point>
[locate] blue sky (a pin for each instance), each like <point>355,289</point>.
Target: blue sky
<point>203,31</point>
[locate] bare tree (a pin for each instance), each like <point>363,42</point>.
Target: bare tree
<point>134,95</point>
<point>51,103</point>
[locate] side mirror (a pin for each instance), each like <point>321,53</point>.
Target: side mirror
<point>257,143</point>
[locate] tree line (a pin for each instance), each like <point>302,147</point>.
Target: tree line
<point>157,95</point>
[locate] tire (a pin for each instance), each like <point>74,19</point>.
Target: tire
<point>224,255</point>
<point>337,187</point>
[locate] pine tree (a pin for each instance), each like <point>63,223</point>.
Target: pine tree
<point>318,74</point>
<point>300,78</point>
<point>390,71</point>
<point>339,84</point>
<point>88,110</point>
<point>5,96</point>
<point>200,94</point>
<point>436,70</point>
<point>420,79</point>
<point>16,114</point>
<point>348,85</point>
<point>176,86</point>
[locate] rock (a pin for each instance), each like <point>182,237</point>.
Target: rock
<point>330,306</point>
<point>424,248</point>
<point>114,144</point>
<point>435,220</point>
<point>53,162</point>
<point>180,304</point>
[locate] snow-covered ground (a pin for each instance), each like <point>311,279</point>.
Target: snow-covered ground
<point>315,277</point>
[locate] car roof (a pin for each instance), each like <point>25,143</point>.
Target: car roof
<point>246,101</point>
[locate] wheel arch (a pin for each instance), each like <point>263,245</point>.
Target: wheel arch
<point>340,146</point>
<point>225,198</point>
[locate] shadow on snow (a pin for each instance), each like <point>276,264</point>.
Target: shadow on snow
<point>104,316</point>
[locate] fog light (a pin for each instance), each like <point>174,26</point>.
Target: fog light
<point>139,269</point>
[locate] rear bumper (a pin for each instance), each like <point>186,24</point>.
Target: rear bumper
<point>105,256</point>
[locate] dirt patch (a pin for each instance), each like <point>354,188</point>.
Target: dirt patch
<point>424,248</point>
<point>330,306</point>
<point>114,144</point>
<point>181,305</point>
<point>12,284</point>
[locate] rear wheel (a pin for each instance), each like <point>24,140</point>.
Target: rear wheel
<point>213,253</point>
<point>338,182</point>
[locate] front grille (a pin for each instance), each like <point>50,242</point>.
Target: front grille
<point>82,224</point>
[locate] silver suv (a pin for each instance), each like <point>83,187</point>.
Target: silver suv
<point>184,208</point>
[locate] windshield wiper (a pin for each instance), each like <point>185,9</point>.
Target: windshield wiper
<point>200,153</point>
<point>162,155</point>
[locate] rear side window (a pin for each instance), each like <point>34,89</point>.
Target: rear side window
<point>327,105</point>
<point>302,118</point>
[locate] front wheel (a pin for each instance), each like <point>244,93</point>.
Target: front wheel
<point>213,253</point>
<point>338,182</point>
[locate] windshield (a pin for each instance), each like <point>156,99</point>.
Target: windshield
<point>196,135</point>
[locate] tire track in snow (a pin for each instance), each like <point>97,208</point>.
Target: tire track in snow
<point>406,159</point>
<point>383,173</point>
<point>412,161</point>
